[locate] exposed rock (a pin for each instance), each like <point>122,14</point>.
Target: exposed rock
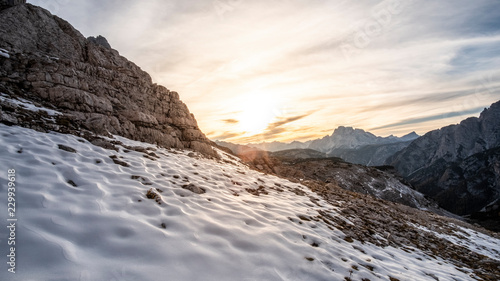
<point>193,188</point>
<point>66,148</point>
<point>370,155</point>
<point>457,165</point>
<point>51,63</point>
<point>99,40</point>
<point>380,182</point>
<point>10,3</point>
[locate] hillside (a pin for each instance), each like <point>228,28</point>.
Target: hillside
<point>113,180</point>
<point>140,212</point>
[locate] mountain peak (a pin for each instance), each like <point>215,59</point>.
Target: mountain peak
<point>100,40</point>
<point>50,63</point>
<point>445,162</point>
<point>410,136</point>
<point>343,130</point>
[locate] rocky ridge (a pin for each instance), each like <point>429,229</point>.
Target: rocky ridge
<point>380,182</point>
<point>353,145</point>
<point>458,165</point>
<point>44,60</point>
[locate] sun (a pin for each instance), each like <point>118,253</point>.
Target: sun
<point>258,111</point>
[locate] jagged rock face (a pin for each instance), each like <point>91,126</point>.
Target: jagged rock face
<point>99,40</point>
<point>10,3</point>
<point>51,63</point>
<point>472,183</point>
<point>457,165</point>
<point>369,155</point>
<point>451,143</point>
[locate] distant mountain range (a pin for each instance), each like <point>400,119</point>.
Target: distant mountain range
<point>458,165</point>
<point>352,145</point>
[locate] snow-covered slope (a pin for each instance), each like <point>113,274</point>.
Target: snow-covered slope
<point>84,214</point>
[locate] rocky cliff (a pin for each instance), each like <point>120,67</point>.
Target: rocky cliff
<point>457,165</point>
<point>44,60</point>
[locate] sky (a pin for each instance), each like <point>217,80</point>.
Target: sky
<point>286,70</point>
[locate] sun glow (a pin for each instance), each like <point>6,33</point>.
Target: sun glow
<point>258,111</point>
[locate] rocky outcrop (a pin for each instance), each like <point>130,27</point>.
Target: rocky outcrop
<point>99,40</point>
<point>451,143</point>
<point>48,62</point>
<point>10,3</point>
<point>457,165</point>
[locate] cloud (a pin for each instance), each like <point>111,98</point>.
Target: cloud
<point>276,129</point>
<point>284,121</point>
<point>416,59</point>
<point>226,135</point>
<point>230,121</point>
<point>430,118</point>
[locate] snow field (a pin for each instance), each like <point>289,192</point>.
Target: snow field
<point>84,217</point>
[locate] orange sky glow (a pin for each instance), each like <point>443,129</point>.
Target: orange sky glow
<point>254,71</point>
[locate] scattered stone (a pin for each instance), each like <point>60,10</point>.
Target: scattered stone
<point>304,218</point>
<point>258,191</point>
<point>72,183</point>
<point>67,148</point>
<point>104,144</point>
<point>298,192</point>
<point>151,194</point>
<point>193,188</point>
<point>119,162</point>
<point>348,239</point>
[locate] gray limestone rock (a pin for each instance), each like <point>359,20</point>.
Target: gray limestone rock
<point>457,165</point>
<point>51,63</point>
<point>11,3</point>
<point>99,40</point>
